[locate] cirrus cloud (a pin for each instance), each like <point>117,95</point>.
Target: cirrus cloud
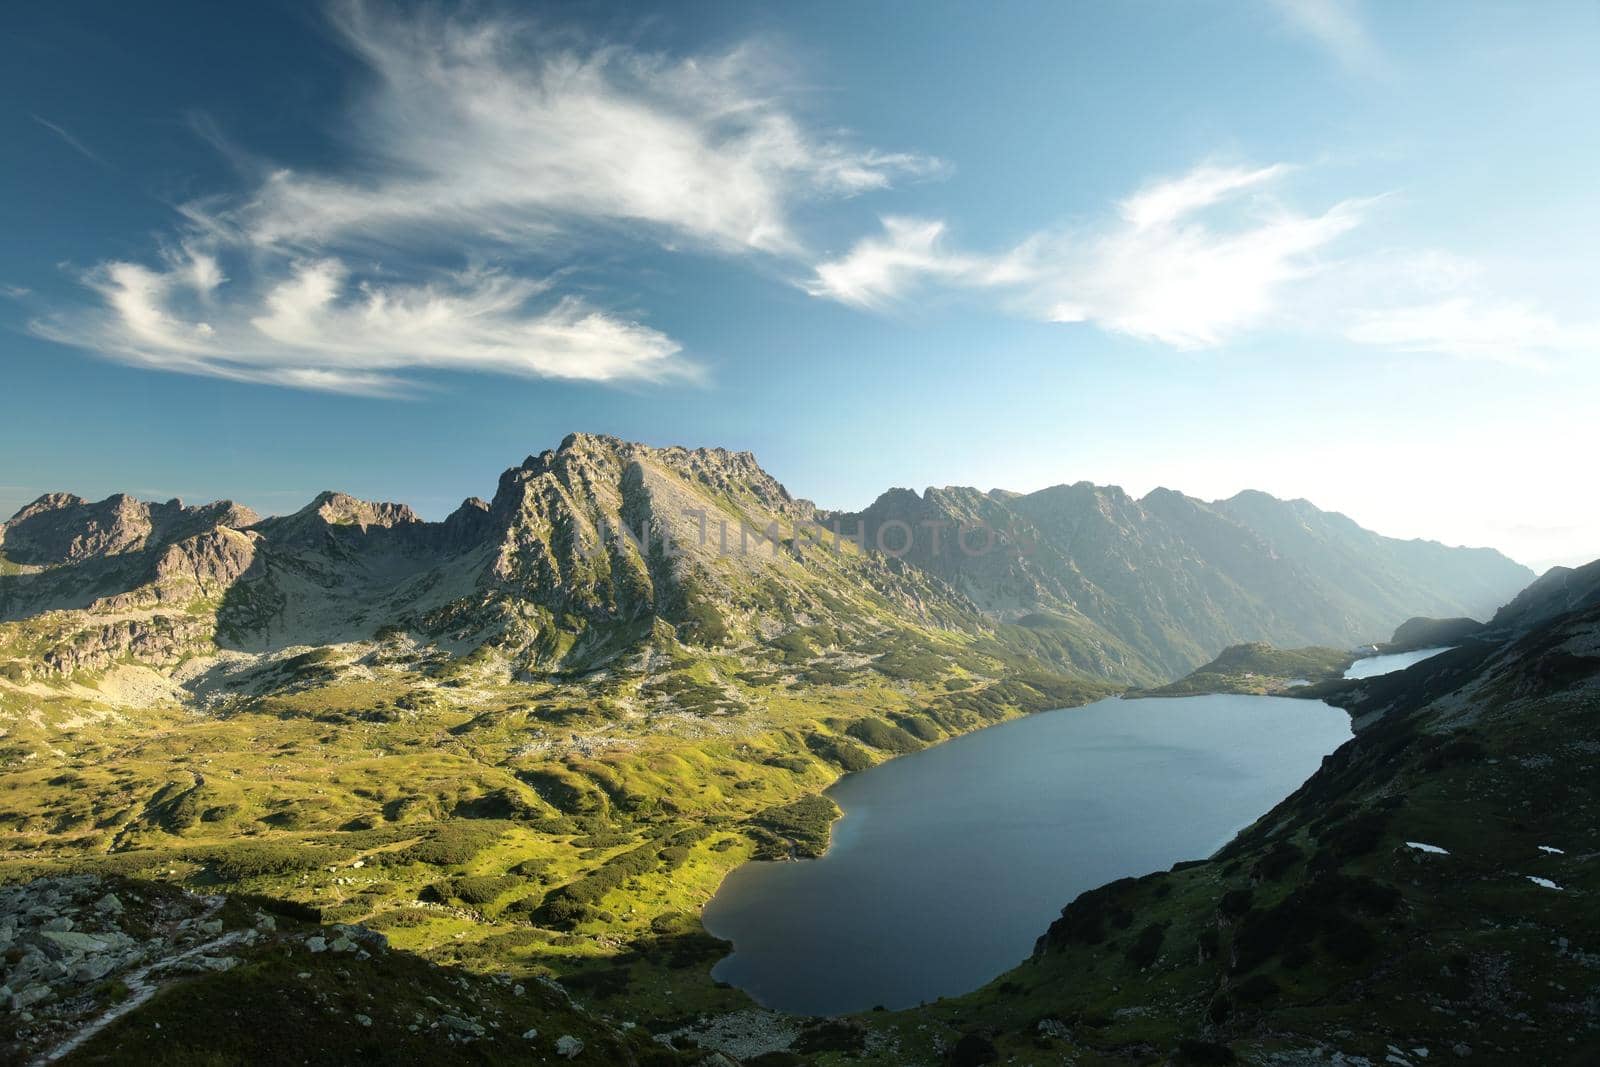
<point>482,140</point>
<point>1190,261</point>
<point>314,326</point>
<point>487,126</point>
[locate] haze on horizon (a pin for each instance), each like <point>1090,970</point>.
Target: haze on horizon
<point>390,249</point>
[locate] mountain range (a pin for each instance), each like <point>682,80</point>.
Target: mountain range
<point>1170,580</point>
<point>601,550</point>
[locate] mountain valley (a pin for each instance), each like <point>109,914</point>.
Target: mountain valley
<point>526,743</point>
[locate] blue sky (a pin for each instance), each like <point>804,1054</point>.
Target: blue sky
<point>1327,249</point>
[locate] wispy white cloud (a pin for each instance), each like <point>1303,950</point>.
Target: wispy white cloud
<point>1167,201</point>
<point>315,327</point>
<point>910,251</point>
<point>71,141</point>
<point>1489,329</point>
<point>1175,272</point>
<point>1189,261</point>
<point>1338,26</point>
<point>481,126</point>
<point>480,140</point>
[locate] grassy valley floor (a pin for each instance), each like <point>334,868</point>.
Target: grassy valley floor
<point>1430,888</point>
<point>564,830</point>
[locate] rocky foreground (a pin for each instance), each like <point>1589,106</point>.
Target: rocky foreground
<point>84,959</point>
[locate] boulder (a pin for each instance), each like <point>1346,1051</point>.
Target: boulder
<point>63,943</point>
<point>362,936</point>
<point>93,969</point>
<point>568,1046</point>
<point>202,965</point>
<point>29,995</point>
<point>33,964</point>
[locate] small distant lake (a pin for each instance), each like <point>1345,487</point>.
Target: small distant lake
<point>1372,666</point>
<point>950,862</point>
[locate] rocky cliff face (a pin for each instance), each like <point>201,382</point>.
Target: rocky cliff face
<point>92,584</point>
<point>60,528</point>
<point>611,534</point>
<point>332,516</point>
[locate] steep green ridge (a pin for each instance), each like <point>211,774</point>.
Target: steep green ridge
<point>1325,930</point>
<point>1558,590</point>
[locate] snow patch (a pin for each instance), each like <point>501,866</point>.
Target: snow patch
<point>1421,847</point>
<point>1552,851</point>
<point>1547,883</point>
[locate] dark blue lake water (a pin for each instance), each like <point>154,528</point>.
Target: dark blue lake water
<point>949,862</point>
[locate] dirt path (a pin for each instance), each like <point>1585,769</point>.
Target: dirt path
<point>140,989</point>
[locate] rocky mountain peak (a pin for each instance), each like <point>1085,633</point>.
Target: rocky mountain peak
<point>60,528</point>
<point>341,509</point>
<point>49,502</point>
<point>898,496</point>
<point>331,512</point>
<point>1069,506</point>
<point>589,463</point>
